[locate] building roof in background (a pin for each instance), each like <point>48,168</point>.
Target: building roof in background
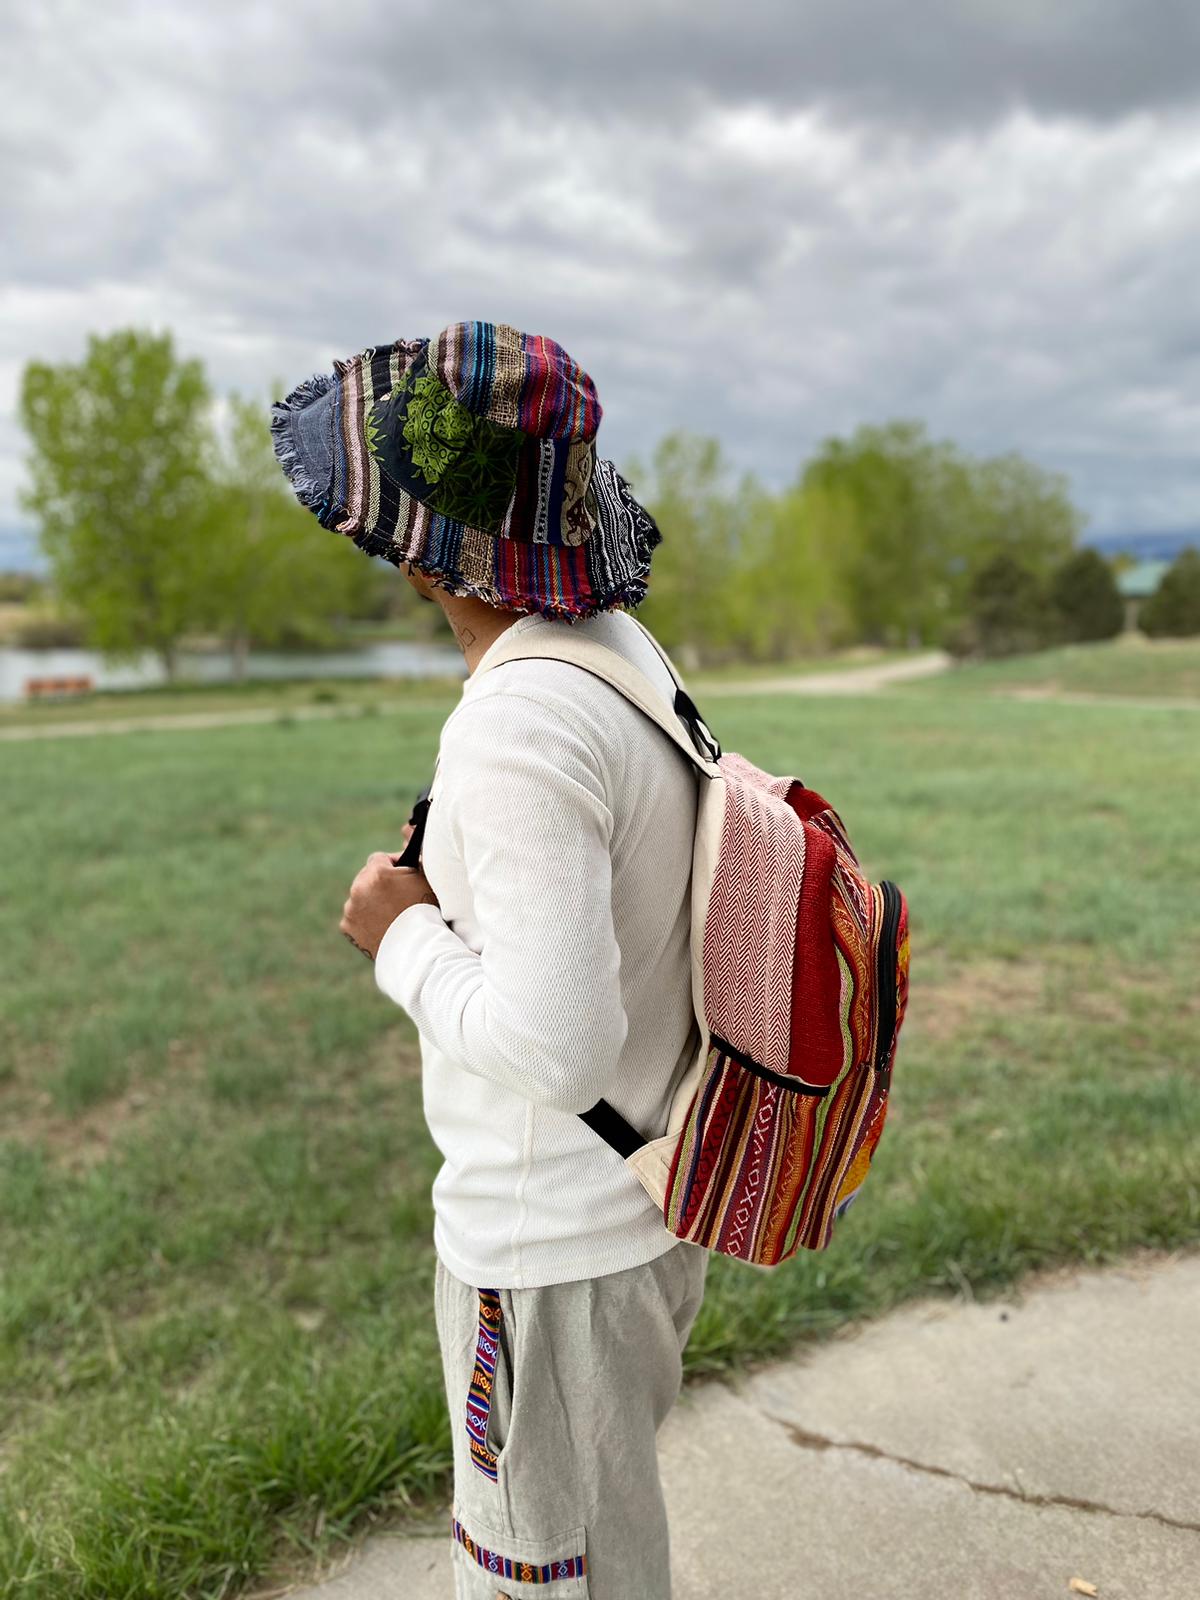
<point>1138,583</point>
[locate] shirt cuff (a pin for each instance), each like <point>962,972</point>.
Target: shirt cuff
<point>404,950</point>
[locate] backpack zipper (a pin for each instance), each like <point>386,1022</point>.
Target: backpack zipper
<point>885,975</point>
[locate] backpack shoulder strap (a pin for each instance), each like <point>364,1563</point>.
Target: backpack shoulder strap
<point>559,644</point>
<point>684,704</point>
<point>670,665</point>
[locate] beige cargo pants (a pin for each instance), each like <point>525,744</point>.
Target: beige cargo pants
<point>555,1397</point>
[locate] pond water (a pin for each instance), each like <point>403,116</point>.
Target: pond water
<point>387,659</point>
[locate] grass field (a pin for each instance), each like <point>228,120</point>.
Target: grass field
<point>215,1318</point>
<point>1133,666</point>
<point>187,699</point>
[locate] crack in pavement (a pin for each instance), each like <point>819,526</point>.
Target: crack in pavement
<point>805,1440</point>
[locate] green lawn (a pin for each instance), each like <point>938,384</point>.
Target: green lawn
<point>215,1292</point>
<point>1130,666</point>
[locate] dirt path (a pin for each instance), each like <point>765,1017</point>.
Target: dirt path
<point>847,680</point>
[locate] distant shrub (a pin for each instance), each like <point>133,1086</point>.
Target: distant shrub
<point>49,633</point>
<point>1173,610</point>
<point>1007,612</point>
<point>305,636</point>
<point>1085,599</point>
<point>19,588</point>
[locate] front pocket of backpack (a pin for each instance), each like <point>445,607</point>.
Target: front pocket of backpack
<point>743,1160</point>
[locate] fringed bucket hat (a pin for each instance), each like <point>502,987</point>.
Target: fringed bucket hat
<point>471,457</point>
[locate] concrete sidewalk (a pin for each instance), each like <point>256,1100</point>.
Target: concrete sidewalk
<point>968,1451</point>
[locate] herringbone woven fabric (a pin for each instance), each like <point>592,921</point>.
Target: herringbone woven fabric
<point>752,906</point>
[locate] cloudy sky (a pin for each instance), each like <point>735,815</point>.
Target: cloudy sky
<point>769,220</point>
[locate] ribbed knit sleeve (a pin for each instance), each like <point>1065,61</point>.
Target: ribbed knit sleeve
<point>538,1009</point>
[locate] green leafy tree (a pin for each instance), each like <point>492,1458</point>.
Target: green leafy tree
<point>1173,610</point>
<point>696,602</point>
<point>1085,598</point>
<point>1016,507</point>
<point>1008,611</point>
<point>121,445</point>
<point>791,574</point>
<point>272,574</point>
<point>907,492</point>
<point>927,519</point>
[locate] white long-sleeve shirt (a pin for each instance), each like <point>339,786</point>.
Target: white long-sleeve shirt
<point>555,969</point>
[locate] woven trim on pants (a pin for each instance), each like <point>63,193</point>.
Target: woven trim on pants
<point>519,1571</point>
<point>483,1376</point>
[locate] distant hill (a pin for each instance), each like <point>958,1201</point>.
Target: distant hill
<point>1145,546</point>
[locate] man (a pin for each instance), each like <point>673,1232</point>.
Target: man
<point>542,949</point>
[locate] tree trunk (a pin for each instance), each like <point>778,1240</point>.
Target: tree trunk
<point>239,651</point>
<point>168,654</point>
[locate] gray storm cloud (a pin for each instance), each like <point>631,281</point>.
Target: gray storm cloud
<point>767,222</point>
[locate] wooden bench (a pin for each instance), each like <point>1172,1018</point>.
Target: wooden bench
<point>57,688</point>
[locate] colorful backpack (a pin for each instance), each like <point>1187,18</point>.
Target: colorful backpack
<point>799,985</point>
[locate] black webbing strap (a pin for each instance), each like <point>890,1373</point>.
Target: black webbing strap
<point>612,1128</point>
<point>702,735</point>
<point>411,855</point>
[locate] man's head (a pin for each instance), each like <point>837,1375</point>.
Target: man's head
<point>470,459</point>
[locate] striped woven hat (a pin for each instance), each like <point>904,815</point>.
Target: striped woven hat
<point>472,457</point>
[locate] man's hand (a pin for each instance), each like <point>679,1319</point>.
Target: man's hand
<point>378,895</point>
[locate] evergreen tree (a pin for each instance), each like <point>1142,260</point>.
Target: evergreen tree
<point>1173,610</point>
<point>1085,598</point>
<point>1008,611</point>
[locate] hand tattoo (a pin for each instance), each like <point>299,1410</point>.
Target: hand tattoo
<point>359,947</point>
